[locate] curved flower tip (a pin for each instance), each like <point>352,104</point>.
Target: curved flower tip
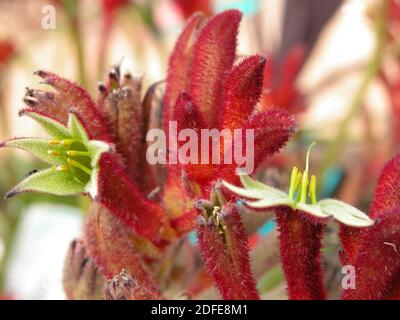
<point>300,191</point>
<point>74,159</point>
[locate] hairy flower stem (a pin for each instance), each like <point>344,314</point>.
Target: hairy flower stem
<point>300,245</point>
<point>356,104</point>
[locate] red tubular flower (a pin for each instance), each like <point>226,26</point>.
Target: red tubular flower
<point>190,7</point>
<point>215,93</point>
<point>225,251</point>
<point>375,257</point>
<point>224,95</point>
<point>279,88</point>
<point>206,90</point>
<point>7,50</point>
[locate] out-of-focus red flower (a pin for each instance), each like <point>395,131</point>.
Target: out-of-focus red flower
<point>394,11</point>
<point>189,7</point>
<point>110,6</point>
<point>373,251</point>
<point>279,87</point>
<point>394,96</point>
<point>7,50</point>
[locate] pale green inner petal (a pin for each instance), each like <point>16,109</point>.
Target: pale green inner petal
<point>269,203</point>
<point>55,129</point>
<point>76,129</point>
<point>345,213</point>
<point>252,194</point>
<point>38,147</point>
<point>50,181</point>
<point>312,209</point>
<point>96,148</point>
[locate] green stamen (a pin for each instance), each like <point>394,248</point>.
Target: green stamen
<point>298,180</point>
<point>73,153</point>
<point>303,188</point>
<point>68,142</point>
<point>80,166</point>
<point>313,189</point>
<point>293,180</point>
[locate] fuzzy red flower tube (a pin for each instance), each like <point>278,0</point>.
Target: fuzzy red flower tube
<point>223,246</point>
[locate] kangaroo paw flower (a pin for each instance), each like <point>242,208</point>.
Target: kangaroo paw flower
<point>302,189</point>
<point>300,225</point>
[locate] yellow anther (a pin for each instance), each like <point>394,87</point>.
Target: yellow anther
<point>298,180</point>
<point>292,186</point>
<point>54,142</point>
<point>303,187</point>
<point>68,142</point>
<point>78,165</point>
<point>62,168</point>
<point>53,153</point>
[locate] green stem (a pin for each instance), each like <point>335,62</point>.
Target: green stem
<point>71,7</point>
<point>371,72</point>
<point>77,39</point>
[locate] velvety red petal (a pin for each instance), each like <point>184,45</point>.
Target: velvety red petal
<point>77,98</point>
<point>387,192</point>
<point>272,130</point>
<point>179,66</point>
<point>214,54</point>
<point>377,266</point>
<point>242,91</point>
<point>119,195</point>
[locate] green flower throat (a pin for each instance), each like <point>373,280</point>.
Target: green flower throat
<point>75,155</point>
